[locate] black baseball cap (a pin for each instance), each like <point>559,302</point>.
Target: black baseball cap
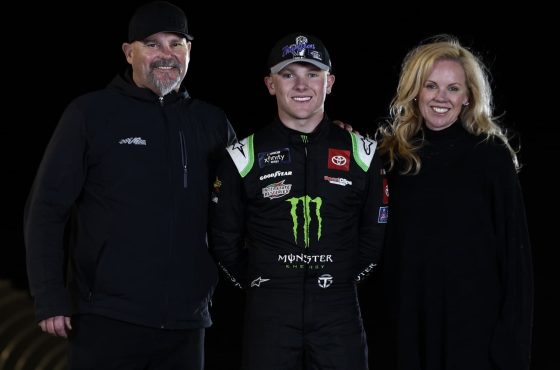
<point>298,47</point>
<point>157,16</point>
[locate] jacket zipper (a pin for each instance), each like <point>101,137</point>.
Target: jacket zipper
<point>183,156</point>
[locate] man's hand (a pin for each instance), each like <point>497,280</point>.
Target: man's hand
<point>59,326</point>
<point>345,126</point>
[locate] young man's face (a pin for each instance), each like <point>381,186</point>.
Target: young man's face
<point>159,62</point>
<point>300,90</point>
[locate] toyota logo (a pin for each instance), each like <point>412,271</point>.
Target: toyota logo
<point>338,160</point>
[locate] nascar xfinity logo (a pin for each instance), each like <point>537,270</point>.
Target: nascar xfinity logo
<point>306,202</point>
<point>281,156</point>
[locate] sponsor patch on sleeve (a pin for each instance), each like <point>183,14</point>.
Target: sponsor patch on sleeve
<point>217,185</point>
<point>385,191</point>
<point>383,215</point>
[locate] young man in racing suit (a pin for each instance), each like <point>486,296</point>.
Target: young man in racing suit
<point>299,211</point>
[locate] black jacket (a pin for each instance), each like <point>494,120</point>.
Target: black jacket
<point>308,207</point>
<point>135,168</point>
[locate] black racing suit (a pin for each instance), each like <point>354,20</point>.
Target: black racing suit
<point>298,219</point>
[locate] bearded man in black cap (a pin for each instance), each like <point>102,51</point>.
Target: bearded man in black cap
<point>130,166</point>
<point>298,217</point>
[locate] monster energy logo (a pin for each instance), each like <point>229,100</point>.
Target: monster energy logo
<point>306,201</point>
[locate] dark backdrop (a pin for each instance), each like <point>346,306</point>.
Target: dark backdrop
<point>50,60</point>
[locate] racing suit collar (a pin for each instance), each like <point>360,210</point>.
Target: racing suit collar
<point>298,136</point>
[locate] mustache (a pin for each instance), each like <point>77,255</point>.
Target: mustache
<point>165,63</point>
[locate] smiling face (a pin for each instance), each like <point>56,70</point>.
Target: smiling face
<point>443,94</point>
<point>300,90</point>
<point>159,62</point>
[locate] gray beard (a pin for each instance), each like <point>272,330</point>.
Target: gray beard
<point>164,87</point>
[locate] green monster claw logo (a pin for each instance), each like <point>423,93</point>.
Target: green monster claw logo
<point>306,201</point>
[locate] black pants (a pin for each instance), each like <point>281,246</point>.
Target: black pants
<point>311,329</point>
<point>100,343</point>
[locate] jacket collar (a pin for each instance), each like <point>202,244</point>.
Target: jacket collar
<point>124,84</point>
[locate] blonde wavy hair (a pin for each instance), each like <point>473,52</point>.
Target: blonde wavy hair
<point>397,136</point>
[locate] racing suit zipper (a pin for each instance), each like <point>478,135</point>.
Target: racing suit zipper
<point>305,141</point>
<point>183,156</point>
<point>306,239</point>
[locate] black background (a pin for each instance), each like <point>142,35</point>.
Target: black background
<point>49,60</point>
